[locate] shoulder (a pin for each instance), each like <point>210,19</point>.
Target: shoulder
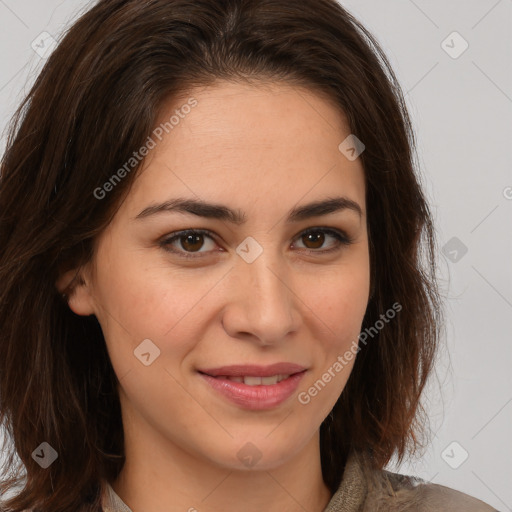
<point>389,491</point>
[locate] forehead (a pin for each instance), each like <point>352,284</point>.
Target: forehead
<point>265,143</point>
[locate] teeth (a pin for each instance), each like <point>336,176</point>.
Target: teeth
<point>258,381</point>
<point>236,379</point>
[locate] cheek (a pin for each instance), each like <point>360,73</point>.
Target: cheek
<point>151,302</point>
<point>340,297</point>
<point>145,295</point>
<point>340,306</point>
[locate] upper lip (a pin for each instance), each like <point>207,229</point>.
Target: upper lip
<point>244,370</point>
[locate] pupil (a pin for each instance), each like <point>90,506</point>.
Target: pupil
<point>191,238</point>
<point>319,239</point>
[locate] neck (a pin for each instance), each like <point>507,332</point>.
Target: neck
<point>162,476</point>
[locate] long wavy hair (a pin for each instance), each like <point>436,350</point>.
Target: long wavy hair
<point>96,100</point>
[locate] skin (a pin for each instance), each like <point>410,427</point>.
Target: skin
<point>261,149</point>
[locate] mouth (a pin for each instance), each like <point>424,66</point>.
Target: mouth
<point>255,387</point>
<point>251,370</point>
<point>251,380</point>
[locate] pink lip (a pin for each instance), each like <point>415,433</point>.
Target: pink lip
<point>254,370</point>
<point>255,397</point>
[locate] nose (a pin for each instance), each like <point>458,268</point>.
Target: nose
<point>262,305</point>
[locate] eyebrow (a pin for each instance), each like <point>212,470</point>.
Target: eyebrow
<point>224,213</point>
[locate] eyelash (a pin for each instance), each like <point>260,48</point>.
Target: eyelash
<point>340,236</point>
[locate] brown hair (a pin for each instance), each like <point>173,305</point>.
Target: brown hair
<point>96,101</point>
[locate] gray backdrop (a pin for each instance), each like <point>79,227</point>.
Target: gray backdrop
<point>453,61</point>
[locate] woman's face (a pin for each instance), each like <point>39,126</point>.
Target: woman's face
<point>257,292</point>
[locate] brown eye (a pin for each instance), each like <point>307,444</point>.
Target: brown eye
<point>315,238</point>
<point>186,243</point>
<point>191,242</point>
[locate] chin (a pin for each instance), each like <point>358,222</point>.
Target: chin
<point>260,452</point>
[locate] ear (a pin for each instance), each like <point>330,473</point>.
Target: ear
<point>74,286</point>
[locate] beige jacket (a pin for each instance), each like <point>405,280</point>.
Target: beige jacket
<point>362,490</point>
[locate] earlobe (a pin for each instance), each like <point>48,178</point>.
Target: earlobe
<point>75,290</point>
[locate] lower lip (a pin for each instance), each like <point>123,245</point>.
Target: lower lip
<point>255,397</point>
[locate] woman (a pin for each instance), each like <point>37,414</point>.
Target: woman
<point>213,295</point>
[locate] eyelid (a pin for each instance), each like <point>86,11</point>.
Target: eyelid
<point>342,239</point>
